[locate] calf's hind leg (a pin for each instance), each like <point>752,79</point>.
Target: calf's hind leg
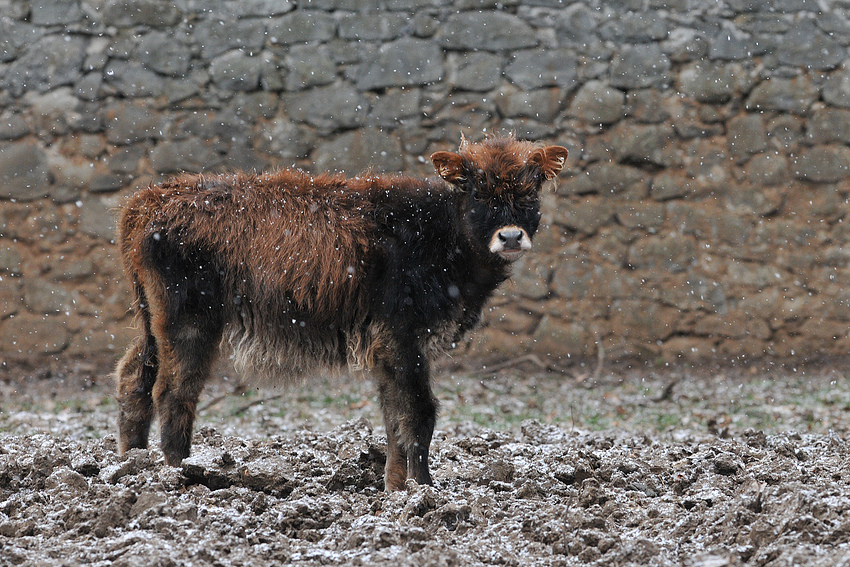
<point>136,374</point>
<point>187,353</point>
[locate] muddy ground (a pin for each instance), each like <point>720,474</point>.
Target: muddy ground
<point>631,465</point>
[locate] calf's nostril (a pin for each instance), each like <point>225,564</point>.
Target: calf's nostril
<point>510,238</point>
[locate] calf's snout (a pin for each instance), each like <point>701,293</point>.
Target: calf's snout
<point>510,242</point>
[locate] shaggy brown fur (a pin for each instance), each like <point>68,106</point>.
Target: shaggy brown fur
<point>296,271</point>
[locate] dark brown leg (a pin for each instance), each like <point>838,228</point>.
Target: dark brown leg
<point>395,473</point>
<point>184,369</point>
<point>410,413</point>
<point>136,374</point>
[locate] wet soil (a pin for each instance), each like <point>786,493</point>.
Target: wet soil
<point>633,465</point>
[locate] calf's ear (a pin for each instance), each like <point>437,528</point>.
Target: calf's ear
<point>449,165</point>
<point>551,160</point>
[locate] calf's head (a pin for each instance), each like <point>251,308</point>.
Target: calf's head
<point>501,179</point>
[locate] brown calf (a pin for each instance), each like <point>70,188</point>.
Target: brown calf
<point>298,272</point>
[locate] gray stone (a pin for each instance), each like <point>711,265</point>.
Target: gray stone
<point>300,27</point>
<point>97,218</point>
<point>51,62</point>
<point>127,123</point>
<point>132,79</point>
<point>24,172</point>
<point>88,87</point>
<point>685,44</point>
<point>272,72</point>
<point>666,186</point>
<point>240,157</point>
<point>555,335</point>
<point>128,13</point>
<point>461,5</point>
<point>309,66</point>
<point>12,126</point>
<point>346,5</point>
<point>767,169</point>
<point>190,155</point>
<point>670,253</point>
<point>833,23</point>
<point>69,176</point>
<point>785,131</point>
<point>713,82</point>
<point>634,27</point>
<point>492,31</point>
<point>90,146</point>
<point>732,230</point>
<point>236,71</point>
<point>15,36</point>
<point>349,52</point>
<point>412,5</point>
<point>394,107</point>
<point>773,5</point>
<point>208,126</point>
<point>639,66</point>
<point>647,216</point>
<point>179,89</point>
<point>358,151</point>
<point>543,68</point>
<point>122,45</point>
<point>56,105</point>
<point>328,108</point>
<point>787,95</point>
<point>822,164</point>
<point>586,216</point>
<point>641,143</point>
<point>836,88</point>
<point>745,135</point>
<point>164,53</point>
<point>824,126</point>
<point>541,104</point>
<point>44,297</point>
<point>254,106</point>
<point>31,335</point>
<point>644,320</point>
<point>598,103</point>
<point>96,58</point>
<point>575,26</point>
<point>215,36</point>
<point>371,27</point>
<point>528,129</point>
<point>287,141</point>
<point>806,46</point>
<point>54,12</point>
<point>126,159</point>
<point>649,105</point>
<point>424,25</point>
<point>761,23</point>
<point>732,44</point>
<point>531,277</point>
<point>405,62</point>
<point>606,178</point>
<point>11,262</point>
<point>107,182</point>
<point>476,71</point>
<point>258,8</point>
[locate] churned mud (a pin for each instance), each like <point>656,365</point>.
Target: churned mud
<point>628,466</point>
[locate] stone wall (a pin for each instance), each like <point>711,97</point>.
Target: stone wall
<point>702,213</point>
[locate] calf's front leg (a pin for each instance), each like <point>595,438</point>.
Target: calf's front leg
<point>410,413</point>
